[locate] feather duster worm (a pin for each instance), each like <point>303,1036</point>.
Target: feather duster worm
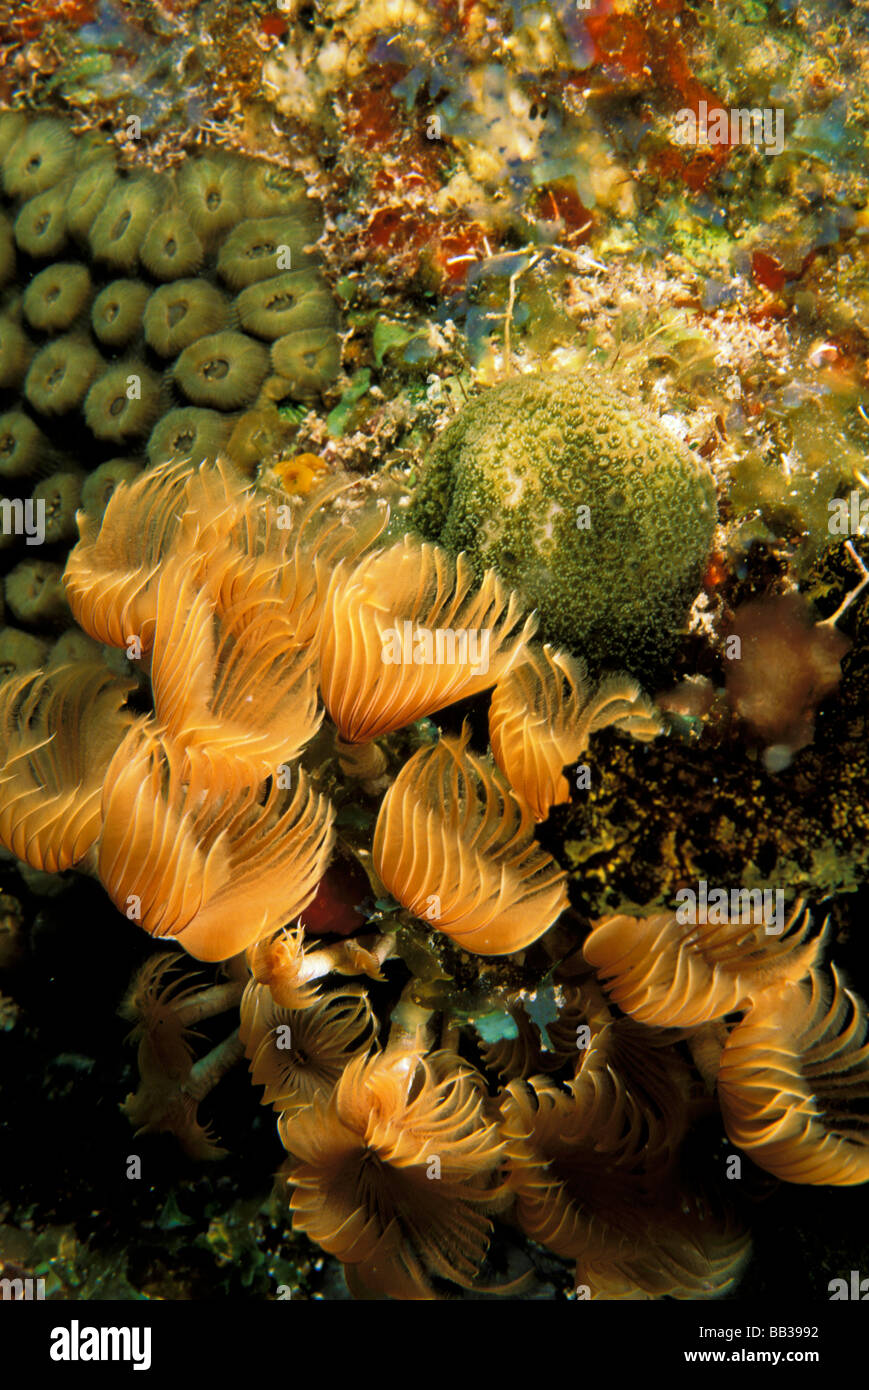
<point>171,1083</point>
<point>404,634</point>
<point>673,974</point>
<point>59,732</point>
<point>215,872</point>
<point>362,1176</point>
<point>592,1174</point>
<point>233,688</point>
<point>279,965</point>
<point>112,574</point>
<point>794,1079</point>
<point>543,713</point>
<point>287,555</point>
<point>289,970</point>
<point>298,1054</point>
<point>454,846</point>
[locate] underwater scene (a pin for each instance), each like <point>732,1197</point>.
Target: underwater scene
<point>434,652</point>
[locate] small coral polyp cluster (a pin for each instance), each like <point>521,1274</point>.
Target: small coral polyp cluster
<point>144,316</point>
<point>263,636</point>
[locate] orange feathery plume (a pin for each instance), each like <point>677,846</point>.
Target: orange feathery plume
<point>234,687</point>
<point>794,1079</point>
<point>279,963</point>
<point>454,846</point>
<point>297,1054</point>
<point>287,553</point>
<point>215,872</point>
<point>593,1176</point>
<point>542,716</point>
<point>59,732</point>
<point>111,574</point>
<point>171,1084</point>
<point>394,1173</point>
<point>674,974</point>
<point>404,634</point>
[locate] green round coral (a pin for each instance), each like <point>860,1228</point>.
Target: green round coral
<point>286,303</point>
<point>60,375</point>
<point>307,361</point>
<point>259,247</point>
<point>171,247</point>
<point>88,196</point>
<point>123,403</point>
<point>188,433</point>
<point>39,157</point>
<point>60,496</point>
<point>20,652</point>
<point>23,446</point>
<point>56,296</point>
<point>118,231</point>
<point>582,501</point>
<point>35,593</point>
<point>224,370</point>
<point>40,227</point>
<point>177,315</point>
<point>118,310</point>
<point>270,191</point>
<point>211,193</point>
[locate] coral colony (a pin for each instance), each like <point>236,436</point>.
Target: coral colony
<point>391,693</point>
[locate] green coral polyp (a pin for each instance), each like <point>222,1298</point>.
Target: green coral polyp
<point>88,196</point>
<point>171,248</point>
<point>254,250</point>
<point>577,497</point>
<point>23,446</point>
<point>225,370</point>
<point>40,227</point>
<point>286,303</point>
<point>39,157</point>
<point>307,361</point>
<point>211,194</point>
<point>60,375</point>
<point>118,311</point>
<point>86,237</point>
<point>118,231</point>
<point>60,495</point>
<point>270,191</point>
<point>123,403</point>
<point>56,297</point>
<point>188,433</point>
<point>177,315</point>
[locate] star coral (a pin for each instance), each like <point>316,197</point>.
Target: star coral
<point>595,513</point>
